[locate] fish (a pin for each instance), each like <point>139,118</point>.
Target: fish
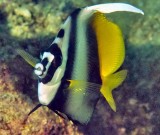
<point>82,63</point>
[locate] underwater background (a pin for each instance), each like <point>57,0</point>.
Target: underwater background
<point>33,24</point>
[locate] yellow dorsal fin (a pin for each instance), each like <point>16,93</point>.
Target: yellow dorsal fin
<point>111,55</point>
<point>110,44</point>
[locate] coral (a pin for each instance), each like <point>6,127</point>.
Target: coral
<point>15,105</point>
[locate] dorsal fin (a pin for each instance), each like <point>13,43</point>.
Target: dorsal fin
<point>110,44</point>
<point>114,7</point>
<point>111,55</point>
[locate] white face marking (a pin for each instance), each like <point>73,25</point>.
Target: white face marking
<point>50,58</point>
<point>47,93</point>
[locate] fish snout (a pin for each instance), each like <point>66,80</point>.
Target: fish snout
<point>39,69</point>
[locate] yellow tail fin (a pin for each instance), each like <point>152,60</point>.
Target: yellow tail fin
<point>111,82</point>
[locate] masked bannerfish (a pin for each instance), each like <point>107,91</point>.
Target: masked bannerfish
<point>81,63</point>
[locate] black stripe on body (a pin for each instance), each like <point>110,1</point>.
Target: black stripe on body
<point>62,95</point>
<point>60,33</point>
<point>58,103</point>
<point>72,43</point>
<point>54,50</point>
<point>92,51</point>
<point>93,58</point>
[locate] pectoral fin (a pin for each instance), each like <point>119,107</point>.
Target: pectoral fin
<point>81,100</point>
<point>27,57</point>
<point>82,86</point>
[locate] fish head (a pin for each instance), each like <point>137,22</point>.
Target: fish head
<point>50,60</point>
<point>46,70</point>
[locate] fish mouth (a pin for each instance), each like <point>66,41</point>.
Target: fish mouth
<point>39,69</point>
